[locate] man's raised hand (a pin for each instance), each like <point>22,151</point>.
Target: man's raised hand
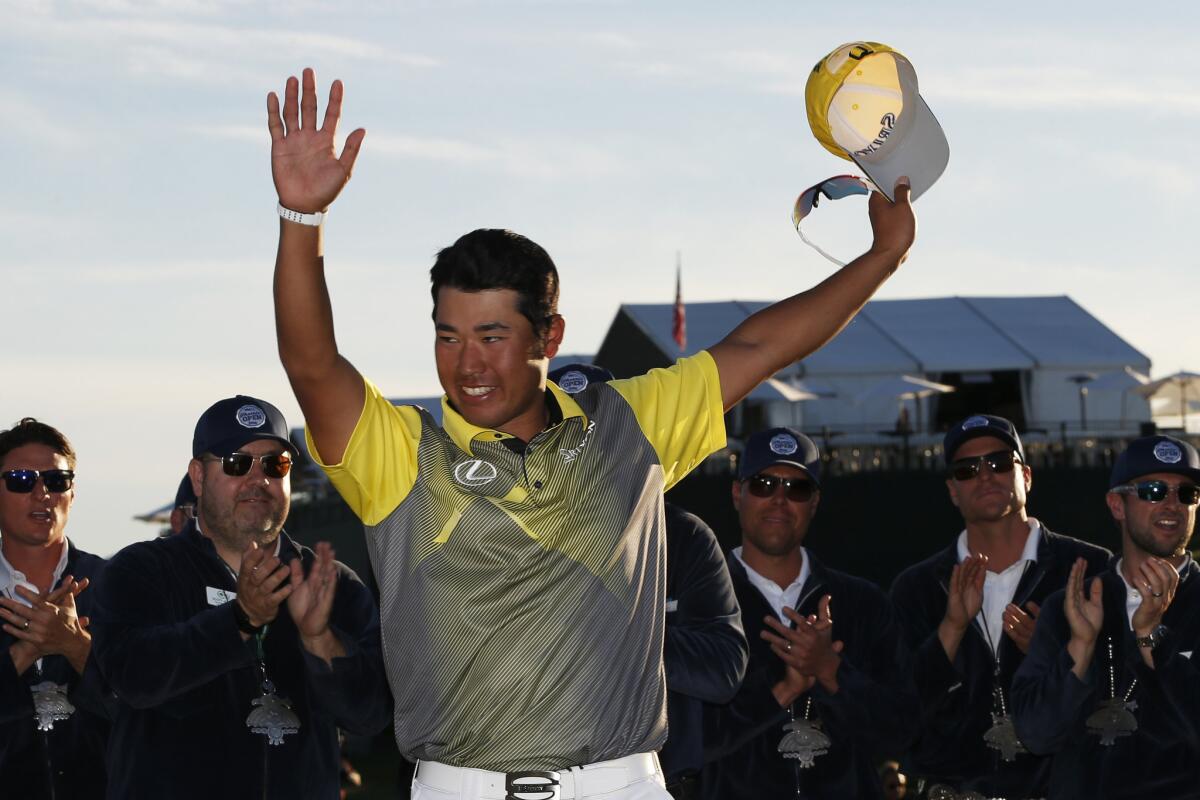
<point>308,172</point>
<point>1085,616</point>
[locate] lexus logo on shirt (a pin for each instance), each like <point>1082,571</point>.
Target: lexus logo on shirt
<point>475,473</point>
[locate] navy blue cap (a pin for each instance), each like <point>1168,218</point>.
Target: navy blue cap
<point>574,378</point>
<point>780,446</point>
<point>978,425</point>
<point>1152,454</point>
<point>184,496</point>
<point>231,423</point>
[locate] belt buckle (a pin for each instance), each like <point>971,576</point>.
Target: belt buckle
<point>534,785</point>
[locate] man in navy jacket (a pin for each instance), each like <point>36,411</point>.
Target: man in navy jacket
<point>969,611</point>
<point>826,690</point>
<point>54,707</point>
<point>1110,687</point>
<point>237,653</point>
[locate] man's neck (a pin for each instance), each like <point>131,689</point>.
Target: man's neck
<point>1132,558</point>
<point>229,553</point>
<point>37,562</point>
<point>782,570</point>
<point>529,424</point>
<point>1002,540</point>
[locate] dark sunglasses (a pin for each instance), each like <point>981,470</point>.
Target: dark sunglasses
<point>22,481</point>
<point>275,465</point>
<point>999,462</point>
<point>1157,491</point>
<point>798,490</point>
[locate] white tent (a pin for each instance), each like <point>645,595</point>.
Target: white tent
<point>1008,355</point>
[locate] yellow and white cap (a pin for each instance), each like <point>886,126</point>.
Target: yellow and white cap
<point>863,106</point>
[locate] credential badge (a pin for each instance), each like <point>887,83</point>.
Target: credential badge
<point>1168,452</point>
<point>784,444</point>
<point>251,416</point>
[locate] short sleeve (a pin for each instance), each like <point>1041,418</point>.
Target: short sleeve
<point>379,467</point>
<point>680,412</point>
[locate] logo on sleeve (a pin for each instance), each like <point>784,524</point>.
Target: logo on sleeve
<point>784,444</point>
<point>573,382</point>
<point>251,416</point>
<point>1168,452</point>
<point>475,473</point>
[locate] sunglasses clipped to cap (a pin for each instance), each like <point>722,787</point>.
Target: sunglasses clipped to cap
<point>1158,491</point>
<point>274,465</point>
<point>798,490</point>
<point>22,481</point>
<point>834,188</point>
<point>999,462</point>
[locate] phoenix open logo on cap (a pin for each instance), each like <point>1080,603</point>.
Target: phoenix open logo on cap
<point>783,444</point>
<point>1168,452</point>
<point>475,473</point>
<point>251,416</point>
<point>573,382</point>
<point>975,422</point>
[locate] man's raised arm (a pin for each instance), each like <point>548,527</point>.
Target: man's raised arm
<point>308,176</point>
<point>791,329</point>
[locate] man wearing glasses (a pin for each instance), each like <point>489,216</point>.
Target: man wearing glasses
<point>968,614</point>
<point>233,641</point>
<point>826,690</point>
<point>54,713</point>
<point>1109,688</point>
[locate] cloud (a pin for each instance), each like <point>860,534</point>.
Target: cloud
<point>1063,88</point>
<point>542,160</point>
<point>29,120</point>
<point>176,46</point>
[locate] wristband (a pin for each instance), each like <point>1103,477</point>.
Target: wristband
<point>300,218</point>
<point>243,620</point>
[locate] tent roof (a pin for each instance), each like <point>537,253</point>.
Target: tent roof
<point>941,334</point>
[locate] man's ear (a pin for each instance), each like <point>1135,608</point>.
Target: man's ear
<point>953,490</point>
<point>553,338</point>
<point>1116,506</point>
<point>196,474</point>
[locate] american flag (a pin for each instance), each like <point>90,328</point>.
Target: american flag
<point>679,321</point>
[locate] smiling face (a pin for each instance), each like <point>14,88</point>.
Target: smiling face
<point>990,496</point>
<point>1159,529</point>
<point>491,364</point>
<point>38,518</point>
<point>773,526</point>
<point>235,510</point>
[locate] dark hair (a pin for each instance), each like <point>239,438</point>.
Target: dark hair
<point>490,258</point>
<point>30,431</point>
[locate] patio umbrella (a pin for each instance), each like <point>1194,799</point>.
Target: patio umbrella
<point>1179,388</point>
<point>904,387</point>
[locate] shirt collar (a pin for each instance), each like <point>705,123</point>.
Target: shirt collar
<point>11,577</point>
<point>763,582</point>
<point>1029,553</point>
<point>464,433</point>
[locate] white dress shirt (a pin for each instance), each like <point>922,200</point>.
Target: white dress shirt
<point>999,587</point>
<point>776,595</point>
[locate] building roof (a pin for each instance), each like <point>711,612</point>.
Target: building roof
<point>941,334</point>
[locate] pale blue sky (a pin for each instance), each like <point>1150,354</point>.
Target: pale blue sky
<point>138,223</point>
